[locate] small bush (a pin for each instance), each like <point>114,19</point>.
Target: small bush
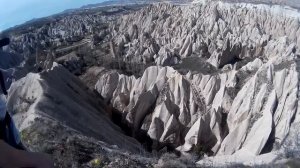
<point>97,163</point>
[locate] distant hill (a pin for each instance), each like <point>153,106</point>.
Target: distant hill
<point>125,2</point>
<point>291,3</point>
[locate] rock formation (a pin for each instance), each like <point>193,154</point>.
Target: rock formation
<point>211,77</point>
<point>245,109</point>
<point>58,95</point>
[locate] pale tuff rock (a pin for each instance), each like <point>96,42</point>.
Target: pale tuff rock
<point>241,105</point>
<point>177,102</point>
<point>237,160</point>
<point>160,86</point>
<point>165,57</point>
<point>258,96</point>
<point>108,84</point>
<point>243,111</point>
<point>253,66</point>
<point>233,140</point>
<point>287,104</point>
<point>261,130</point>
<point>41,96</point>
<point>197,103</point>
<point>166,33</point>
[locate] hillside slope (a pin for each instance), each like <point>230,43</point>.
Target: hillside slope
<point>54,107</point>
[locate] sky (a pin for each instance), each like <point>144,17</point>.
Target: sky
<point>15,12</point>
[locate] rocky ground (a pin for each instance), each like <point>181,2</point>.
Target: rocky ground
<point>208,84</point>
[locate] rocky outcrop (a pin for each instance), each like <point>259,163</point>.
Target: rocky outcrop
<point>190,110</point>
<point>165,34</point>
<point>72,62</point>
<point>213,77</point>
<point>232,33</point>
<point>58,95</point>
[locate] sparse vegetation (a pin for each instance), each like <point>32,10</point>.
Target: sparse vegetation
<point>97,163</point>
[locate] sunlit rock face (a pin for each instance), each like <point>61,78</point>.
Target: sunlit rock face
<point>209,77</point>
<point>222,32</point>
<point>171,106</point>
<point>246,107</point>
<point>163,34</point>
